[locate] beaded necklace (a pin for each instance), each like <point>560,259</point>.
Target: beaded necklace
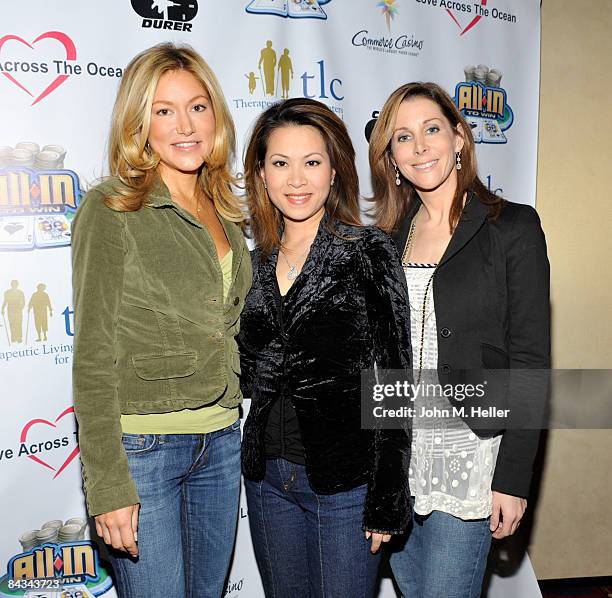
<point>405,262</point>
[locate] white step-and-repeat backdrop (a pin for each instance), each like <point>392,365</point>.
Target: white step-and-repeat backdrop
<point>60,65</point>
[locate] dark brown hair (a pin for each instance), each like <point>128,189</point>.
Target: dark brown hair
<point>342,203</point>
<point>391,201</point>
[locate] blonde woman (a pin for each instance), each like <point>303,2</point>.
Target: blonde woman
<point>160,272</point>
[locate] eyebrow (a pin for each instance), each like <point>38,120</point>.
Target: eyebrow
<point>200,95</point>
<point>304,156</point>
<point>428,120</point>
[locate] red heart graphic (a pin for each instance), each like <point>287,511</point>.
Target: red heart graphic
<point>70,55</point>
<point>40,461</point>
<point>471,23</point>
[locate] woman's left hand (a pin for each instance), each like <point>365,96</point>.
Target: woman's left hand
<point>507,513</point>
<point>377,540</point>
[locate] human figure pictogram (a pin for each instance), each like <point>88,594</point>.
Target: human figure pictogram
<point>267,58</point>
<point>285,68</point>
<point>13,304</point>
<point>41,305</point>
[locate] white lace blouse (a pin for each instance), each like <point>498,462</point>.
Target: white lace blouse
<point>451,469</point>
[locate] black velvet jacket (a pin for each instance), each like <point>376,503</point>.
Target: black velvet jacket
<point>347,309</point>
<point>492,305</point>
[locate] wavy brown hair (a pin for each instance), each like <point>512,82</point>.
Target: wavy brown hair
<point>391,201</point>
<point>132,160</point>
<point>342,203</point>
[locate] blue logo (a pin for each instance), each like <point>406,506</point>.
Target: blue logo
<point>36,207</point>
<point>484,103</point>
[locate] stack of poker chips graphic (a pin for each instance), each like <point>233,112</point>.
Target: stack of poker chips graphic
<point>28,154</point>
<point>483,74</point>
<point>54,531</point>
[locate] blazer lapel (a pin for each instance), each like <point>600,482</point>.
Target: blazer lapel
<point>473,217</point>
<point>307,285</point>
<point>265,278</point>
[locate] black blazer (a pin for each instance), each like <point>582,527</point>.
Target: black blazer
<point>346,310</point>
<point>492,306</point>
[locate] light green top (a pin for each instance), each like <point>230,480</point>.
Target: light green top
<point>187,421</point>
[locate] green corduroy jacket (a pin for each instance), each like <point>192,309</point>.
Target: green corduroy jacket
<point>153,333</point>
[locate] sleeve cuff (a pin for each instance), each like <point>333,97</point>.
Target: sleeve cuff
<point>111,499</point>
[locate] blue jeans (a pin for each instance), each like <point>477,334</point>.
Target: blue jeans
<point>189,487</point>
<point>309,545</point>
<point>443,557</point>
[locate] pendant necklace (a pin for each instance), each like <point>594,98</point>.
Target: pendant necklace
<point>293,271</point>
<point>198,207</point>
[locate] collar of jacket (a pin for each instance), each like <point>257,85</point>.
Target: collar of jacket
<point>160,197</point>
<point>473,217</point>
<point>310,272</point>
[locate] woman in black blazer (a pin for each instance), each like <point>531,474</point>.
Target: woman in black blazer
<point>328,300</point>
<point>478,279</point>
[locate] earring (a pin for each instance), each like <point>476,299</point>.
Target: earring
<point>332,181</point>
<point>398,181</point>
<point>265,185</point>
<point>458,160</point>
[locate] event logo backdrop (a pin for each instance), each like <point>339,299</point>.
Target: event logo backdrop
<point>59,75</point>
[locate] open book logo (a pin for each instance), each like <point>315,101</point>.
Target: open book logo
<point>294,9</point>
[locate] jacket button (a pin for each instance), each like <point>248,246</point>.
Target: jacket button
<point>446,368</point>
<point>445,332</point>
<point>236,300</point>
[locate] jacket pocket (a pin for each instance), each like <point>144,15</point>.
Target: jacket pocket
<point>235,361</point>
<point>494,358</point>
<point>162,367</point>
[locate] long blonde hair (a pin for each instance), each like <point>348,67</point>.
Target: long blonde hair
<point>391,201</point>
<point>130,157</point>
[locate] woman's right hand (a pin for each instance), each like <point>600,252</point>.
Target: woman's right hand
<point>119,529</point>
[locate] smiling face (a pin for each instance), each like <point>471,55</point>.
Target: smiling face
<point>424,145</point>
<point>182,127</point>
<point>298,173</point>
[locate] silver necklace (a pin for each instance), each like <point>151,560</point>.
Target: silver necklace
<point>293,271</point>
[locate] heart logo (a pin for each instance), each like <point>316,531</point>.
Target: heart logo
<point>471,24</point>
<point>63,39</point>
<point>46,422</point>
<point>12,228</point>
